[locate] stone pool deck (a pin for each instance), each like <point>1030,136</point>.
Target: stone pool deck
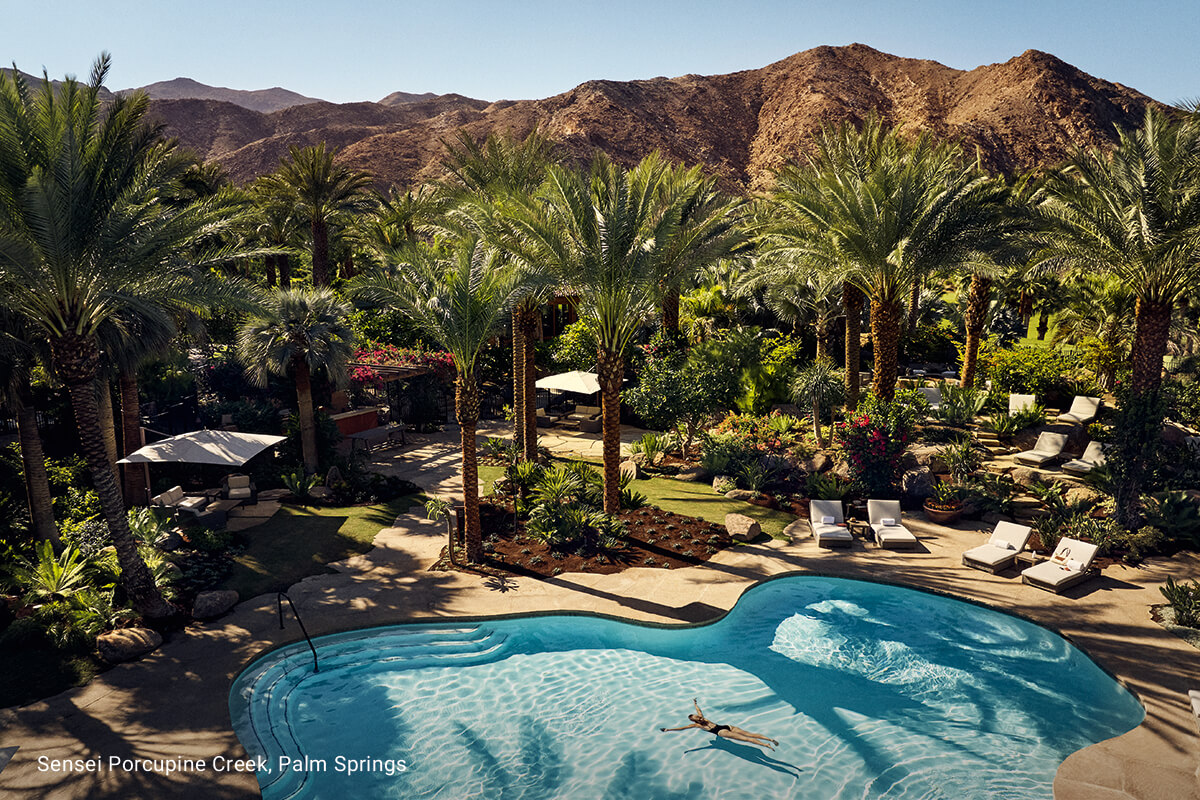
<point>173,703</point>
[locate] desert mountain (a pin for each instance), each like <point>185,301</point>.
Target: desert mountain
<point>396,98</point>
<point>1026,112</point>
<point>264,100</point>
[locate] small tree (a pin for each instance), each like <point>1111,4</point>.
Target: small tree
<point>679,388</point>
<point>820,386</point>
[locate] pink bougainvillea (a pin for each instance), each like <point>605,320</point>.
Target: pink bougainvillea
<point>386,355</point>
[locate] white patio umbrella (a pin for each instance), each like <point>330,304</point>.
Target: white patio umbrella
<point>223,448</point>
<point>576,381</point>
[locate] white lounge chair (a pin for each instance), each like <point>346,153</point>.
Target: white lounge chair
<point>1070,564</point>
<point>1000,551</point>
<point>1083,410</point>
<point>828,524</point>
<point>1093,456</point>
<point>1020,402</point>
<point>885,521</point>
<point>1049,447</point>
<point>934,395</point>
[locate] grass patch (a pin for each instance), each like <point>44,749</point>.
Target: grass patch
<point>686,497</point>
<point>300,541</point>
<point>31,673</point>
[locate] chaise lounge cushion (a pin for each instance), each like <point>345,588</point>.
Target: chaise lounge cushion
<point>1049,447</point>
<point>1093,456</point>
<point>890,536</point>
<point>1019,402</point>
<point>1083,410</point>
<point>1001,549</point>
<point>1069,565</point>
<point>239,487</point>
<point>828,534</point>
<point>934,395</point>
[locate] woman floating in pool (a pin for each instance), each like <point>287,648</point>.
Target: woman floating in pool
<point>724,731</point>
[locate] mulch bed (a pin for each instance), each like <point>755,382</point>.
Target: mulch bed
<point>654,538</point>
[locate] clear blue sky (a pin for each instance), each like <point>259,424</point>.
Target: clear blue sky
<point>494,49</point>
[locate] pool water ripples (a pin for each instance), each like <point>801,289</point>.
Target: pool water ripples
<point>873,691</point>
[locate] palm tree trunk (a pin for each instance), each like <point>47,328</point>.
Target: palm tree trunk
<point>131,436</point>
<point>304,409</point>
<point>269,264</point>
<point>518,379</point>
<point>33,459</point>
<point>816,411</point>
<point>973,316</point>
<point>77,360</point>
<point>1152,327</point>
<point>108,423</point>
<point>320,253</point>
<point>822,333</point>
<point>532,319</point>
<point>670,310</point>
<point>885,336</point>
<point>285,271</point>
<point>466,407</point>
<point>914,302</point>
<point>611,368</point>
<point>852,300</point>
<point>1043,325</point>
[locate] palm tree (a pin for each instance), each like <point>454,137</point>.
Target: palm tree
<point>819,386</point>
<point>602,233</point>
<point>459,299</point>
<point>1098,316</point>
<point>84,237</point>
<point>883,212</point>
<point>1134,213</point>
<point>797,296</point>
<point>483,177</point>
<point>274,224</point>
<point>323,192</point>
<point>300,333</point>
<point>18,357</point>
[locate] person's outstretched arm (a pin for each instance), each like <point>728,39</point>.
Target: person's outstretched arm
<point>684,728</point>
<point>697,705</point>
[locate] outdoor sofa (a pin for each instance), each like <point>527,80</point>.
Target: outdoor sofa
<point>177,501</point>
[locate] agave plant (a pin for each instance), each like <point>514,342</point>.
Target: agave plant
<point>650,445</point>
<point>1184,600</point>
<point>300,485</point>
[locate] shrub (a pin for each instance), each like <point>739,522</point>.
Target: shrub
<point>991,493</point>
<point>1029,369</point>
<point>301,485</point>
<point>724,484</point>
<point>963,459</point>
<point>1176,515</point>
<point>500,448</point>
<point>652,446</point>
<point>1184,600</point>
<point>960,405</point>
<point>873,441</point>
<point>209,540</point>
<point>827,486</point>
<point>724,453</point>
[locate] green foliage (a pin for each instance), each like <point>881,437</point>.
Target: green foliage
<point>935,343</point>
<point>652,446</point>
<point>1029,369</point>
<point>724,453</point>
<point>301,485</point>
<point>249,416</point>
<point>500,448</point>
<point>210,540</point>
<point>146,525</point>
<point>991,493</point>
<point>1135,458</point>
<point>1184,401</point>
<point>1003,424</point>
<point>632,498</point>
<point>827,486</point>
<point>328,437</point>
<point>436,508</point>
<point>676,387</point>
<point>50,577</point>
<point>575,347</point>
<point>1176,515</point>
<point>947,495</point>
<point>1184,600</point>
<point>960,405</point>
<point>963,459</point>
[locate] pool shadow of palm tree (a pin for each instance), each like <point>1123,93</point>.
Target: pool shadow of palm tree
<point>632,779</point>
<point>540,769</point>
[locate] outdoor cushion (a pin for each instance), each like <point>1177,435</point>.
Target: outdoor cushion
<point>194,503</point>
<point>880,512</point>
<point>1001,549</point>
<point>934,395</point>
<point>238,481</point>
<point>168,498</point>
<point>1068,566</point>
<point>240,494</point>
<point>1049,446</point>
<point>1017,402</point>
<point>828,534</point>
<point>1083,410</point>
<point>828,520</point>
<point>1093,456</point>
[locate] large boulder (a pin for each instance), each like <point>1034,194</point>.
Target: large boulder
<point>127,644</point>
<point>930,456</point>
<point>1024,476</point>
<point>842,470</point>
<point>171,540</point>
<point>632,469</point>
<point>1081,494</point>
<point>742,527</point>
<point>723,483</point>
<point>820,462</point>
<point>745,495</point>
<point>210,605</point>
<point>918,483</point>
<point>694,474</point>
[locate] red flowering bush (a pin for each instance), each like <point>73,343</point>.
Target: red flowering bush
<point>386,355</point>
<point>873,440</point>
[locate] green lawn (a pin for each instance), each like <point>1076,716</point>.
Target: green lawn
<point>685,497</point>
<point>298,542</point>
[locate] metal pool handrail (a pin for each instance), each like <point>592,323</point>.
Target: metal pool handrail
<point>280,597</point>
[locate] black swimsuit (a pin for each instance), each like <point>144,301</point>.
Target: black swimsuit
<point>715,731</point>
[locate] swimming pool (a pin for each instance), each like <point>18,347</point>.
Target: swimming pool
<point>873,691</point>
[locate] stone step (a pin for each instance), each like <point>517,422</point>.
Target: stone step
<point>1026,502</point>
<point>1030,515</point>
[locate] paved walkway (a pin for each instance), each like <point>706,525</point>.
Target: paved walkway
<point>174,703</point>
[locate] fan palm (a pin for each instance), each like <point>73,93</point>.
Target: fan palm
<point>85,237</point>
<point>819,386</point>
<point>459,299</point>
<point>323,192</point>
<point>601,233</point>
<point>1134,212</point>
<point>299,333</point>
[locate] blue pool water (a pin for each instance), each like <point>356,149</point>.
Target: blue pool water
<point>873,691</point>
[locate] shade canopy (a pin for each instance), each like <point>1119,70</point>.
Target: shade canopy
<point>575,381</point>
<point>224,448</point>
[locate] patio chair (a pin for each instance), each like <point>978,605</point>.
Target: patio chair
<point>239,487</point>
<point>177,501</point>
<point>1000,551</point>
<point>934,395</point>
<point>1048,448</point>
<point>885,521</point>
<point>828,524</point>
<point>1070,564</point>
<point>1083,410</point>
<point>1093,456</point>
<point>1020,402</point>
